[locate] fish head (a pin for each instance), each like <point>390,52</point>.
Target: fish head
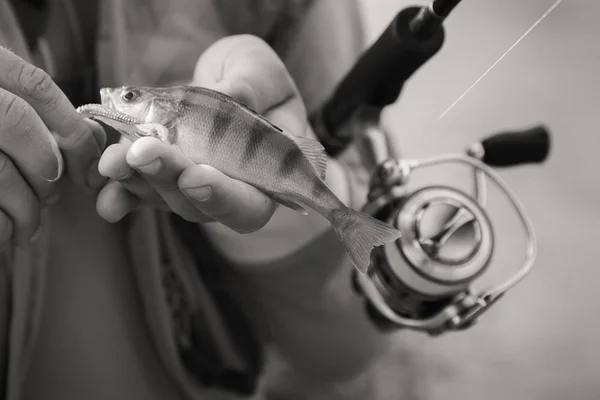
<point>135,112</point>
<point>150,105</point>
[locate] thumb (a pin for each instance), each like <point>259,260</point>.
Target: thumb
<point>248,69</point>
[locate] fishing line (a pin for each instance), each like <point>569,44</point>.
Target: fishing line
<point>542,18</point>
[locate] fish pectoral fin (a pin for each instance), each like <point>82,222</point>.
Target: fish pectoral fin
<point>314,152</point>
<point>154,129</point>
<point>290,204</point>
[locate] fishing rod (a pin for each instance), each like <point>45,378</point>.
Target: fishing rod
<point>413,37</point>
<point>425,280</point>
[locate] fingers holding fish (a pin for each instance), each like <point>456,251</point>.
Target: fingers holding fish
<point>152,173</point>
<point>113,165</point>
<point>160,165</point>
<point>233,203</point>
<point>127,190</point>
<point>114,202</point>
<point>133,186</point>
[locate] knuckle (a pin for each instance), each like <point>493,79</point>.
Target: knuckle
<point>34,82</point>
<point>15,112</point>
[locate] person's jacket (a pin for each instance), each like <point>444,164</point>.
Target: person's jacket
<point>156,43</point>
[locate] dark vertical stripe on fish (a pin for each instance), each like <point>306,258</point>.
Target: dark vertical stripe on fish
<point>221,123</point>
<point>292,160</point>
<point>256,137</point>
<point>317,190</point>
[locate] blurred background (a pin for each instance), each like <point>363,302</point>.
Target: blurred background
<point>542,340</point>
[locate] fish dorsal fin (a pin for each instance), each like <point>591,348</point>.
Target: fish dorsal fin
<point>314,153</point>
<point>228,98</point>
<point>257,115</point>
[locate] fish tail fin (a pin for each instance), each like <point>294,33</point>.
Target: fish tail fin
<point>361,233</point>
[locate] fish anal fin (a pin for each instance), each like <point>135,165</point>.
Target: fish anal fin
<point>314,153</point>
<point>290,204</point>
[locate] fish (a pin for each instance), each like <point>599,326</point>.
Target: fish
<point>212,128</point>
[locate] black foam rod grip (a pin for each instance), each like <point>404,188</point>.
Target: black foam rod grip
<point>444,7</point>
<point>515,148</point>
<point>378,76</point>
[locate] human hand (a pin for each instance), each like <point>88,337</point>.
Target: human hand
<point>41,136</point>
<point>151,173</point>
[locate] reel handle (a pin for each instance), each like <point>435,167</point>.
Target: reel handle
<point>507,149</point>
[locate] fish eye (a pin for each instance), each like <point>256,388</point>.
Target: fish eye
<point>130,94</point>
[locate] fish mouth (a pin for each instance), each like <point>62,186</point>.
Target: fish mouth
<point>123,123</point>
<point>104,112</point>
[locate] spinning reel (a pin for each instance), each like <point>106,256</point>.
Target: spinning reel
<point>424,280</point>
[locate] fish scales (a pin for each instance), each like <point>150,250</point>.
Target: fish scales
<point>214,129</point>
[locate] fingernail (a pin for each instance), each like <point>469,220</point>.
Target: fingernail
<point>201,193</point>
<point>60,163</point>
<point>151,169</point>
<point>95,180</point>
